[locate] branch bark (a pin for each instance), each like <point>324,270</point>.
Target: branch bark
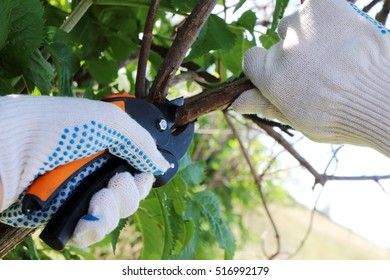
<point>10,237</point>
<point>140,91</point>
<point>185,37</point>
<point>383,13</point>
<point>210,100</point>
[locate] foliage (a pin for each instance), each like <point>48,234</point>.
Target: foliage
<point>194,213</point>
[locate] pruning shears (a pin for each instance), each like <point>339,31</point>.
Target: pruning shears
<point>158,120</point>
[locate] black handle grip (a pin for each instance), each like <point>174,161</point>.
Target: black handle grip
<point>60,228</point>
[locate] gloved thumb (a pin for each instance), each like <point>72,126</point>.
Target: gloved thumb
<point>253,65</point>
<point>284,23</point>
<point>253,102</point>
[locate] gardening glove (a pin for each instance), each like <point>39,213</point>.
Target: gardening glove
<point>40,133</point>
<point>328,77</point>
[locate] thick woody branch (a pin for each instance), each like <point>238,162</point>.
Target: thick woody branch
<point>210,100</point>
<point>185,37</point>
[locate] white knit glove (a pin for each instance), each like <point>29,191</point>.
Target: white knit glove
<point>328,77</point>
<point>41,133</point>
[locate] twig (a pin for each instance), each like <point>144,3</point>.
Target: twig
<point>319,178</point>
<point>258,184</point>
<point>367,8</point>
<point>76,15</point>
<point>185,37</point>
<point>334,158</point>
<point>382,188</point>
<point>312,214</point>
<point>308,231</point>
<point>283,127</point>
<point>383,13</point>
<point>145,49</point>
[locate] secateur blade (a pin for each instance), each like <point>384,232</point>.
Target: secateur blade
<point>177,142</point>
<point>180,138</point>
<point>169,108</point>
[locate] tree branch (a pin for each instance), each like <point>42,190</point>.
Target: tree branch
<point>185,37</point>
<point>259,187</point>
<point>11,236</point>
<point>319,178</point>
<point>383,13</point>
<point>367,8</point>
<point>145,49</point>
<point>210,100</point>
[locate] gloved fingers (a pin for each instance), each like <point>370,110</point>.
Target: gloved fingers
<point>126,193</point>
<point>102,218</point>
<point>253,102</point>
<point>144,182</point>
<point>119,200</point>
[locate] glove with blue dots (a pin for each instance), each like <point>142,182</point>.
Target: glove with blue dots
<point>40,133</point>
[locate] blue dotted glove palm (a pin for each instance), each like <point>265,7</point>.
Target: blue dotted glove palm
<point>39,134</point>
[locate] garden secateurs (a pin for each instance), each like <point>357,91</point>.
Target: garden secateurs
<point>158,120</point>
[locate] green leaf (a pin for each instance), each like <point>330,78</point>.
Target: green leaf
<point>232,60</point>
<point>61,48</point>
<point>208,202</point>
<point>38,72</point>
<point>152,220</point>
<point>248,20</point>
<point>193,174</point>
<point>269,39</point>
<point>192,217</point>
<point>5,20</point>
<point>215,35</point>
<point>20,35</point>
<point>102,70</point>
<point>6,87</point>
<point>183,6</point>
<point>239,5</point>
<point>32,249</point>
<point>280,7</point>
<point>116,232</point>
<point>119,47</point>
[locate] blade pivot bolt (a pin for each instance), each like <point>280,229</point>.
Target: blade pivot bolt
<point>162,124</point>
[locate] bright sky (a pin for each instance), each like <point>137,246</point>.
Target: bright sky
<point>361,206</point>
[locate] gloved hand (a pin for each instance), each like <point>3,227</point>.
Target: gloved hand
<point>328,77</point>
<point>41,133</point>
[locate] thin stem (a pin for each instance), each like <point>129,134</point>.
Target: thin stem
<point>258,184</point>
<point>140,91</point>
<point>76,15</point>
